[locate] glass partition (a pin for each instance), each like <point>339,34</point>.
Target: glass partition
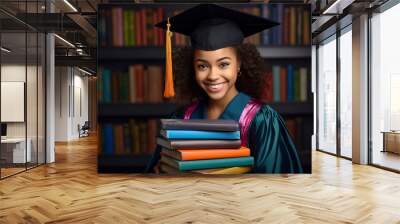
<point>22,77</point>
<point>346,93</point>
<point>385,89</point>
<point>327,96</point>
<point>14,152</point>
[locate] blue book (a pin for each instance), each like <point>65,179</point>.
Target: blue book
<point>266,14</point>
<point>190,134</point>
<point>276,83</point>
<point>280,28</point>
<point>272,31</point>
<point>108,139</point>
<point>207,163</point>
<point>107,96</point>
<point>290,84</point>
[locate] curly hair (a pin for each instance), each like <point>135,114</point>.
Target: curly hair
<point>251,80</point>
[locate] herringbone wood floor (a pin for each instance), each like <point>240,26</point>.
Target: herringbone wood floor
<point>71,191</point>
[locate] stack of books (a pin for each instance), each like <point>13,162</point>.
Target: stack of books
<point>203,146</point>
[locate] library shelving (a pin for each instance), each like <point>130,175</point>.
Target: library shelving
<point>120,48</point>
<point>153,53</point>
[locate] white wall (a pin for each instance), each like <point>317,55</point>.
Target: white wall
<point>61,103</point>
<point>70,83</point>
<point>15,73</point>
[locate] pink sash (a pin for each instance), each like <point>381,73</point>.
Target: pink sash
<point>246,117</point>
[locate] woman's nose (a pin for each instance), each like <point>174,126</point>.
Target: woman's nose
<point>213,74</point>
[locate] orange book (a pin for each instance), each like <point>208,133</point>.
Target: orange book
<point>200,154</point>
<point>119,138</point>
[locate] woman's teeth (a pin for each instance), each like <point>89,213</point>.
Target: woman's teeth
<point>215,87</point>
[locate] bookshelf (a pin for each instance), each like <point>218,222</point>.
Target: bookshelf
<point>109,111</point>
<point>153,53</point>
<point>116,56</point>
<point>112,111</point>
<point>122,163</point>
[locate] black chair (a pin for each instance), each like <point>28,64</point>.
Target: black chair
<point>84,130</point>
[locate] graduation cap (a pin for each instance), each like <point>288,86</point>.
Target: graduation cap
<point>210,27</point>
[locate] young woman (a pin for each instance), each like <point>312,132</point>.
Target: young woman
<point>222,78</point>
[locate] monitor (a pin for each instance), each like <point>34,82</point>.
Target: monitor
<point>3,129</point>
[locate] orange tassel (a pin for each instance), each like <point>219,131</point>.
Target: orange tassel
<point>169,80</point>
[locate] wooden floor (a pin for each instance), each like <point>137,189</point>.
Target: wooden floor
<point>71,191</point>
<point>387,159</point>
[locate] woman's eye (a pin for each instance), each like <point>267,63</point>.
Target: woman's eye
<point>201,66</point>
<point>224,65</point>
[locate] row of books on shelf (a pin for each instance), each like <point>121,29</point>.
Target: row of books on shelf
<point>286,84</point>
<point>136,84</point>
<point>138,136</point>
<point>129,138</point>
<point>294,28</point>
<point>129,27</point>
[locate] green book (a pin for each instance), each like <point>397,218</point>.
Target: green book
<point>124,87</point>
<point>127,25</point>
<point>208,163</point>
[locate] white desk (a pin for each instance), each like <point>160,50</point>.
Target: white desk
<point>17,147</point>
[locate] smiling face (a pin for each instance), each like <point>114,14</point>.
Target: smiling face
<point>216,72</point>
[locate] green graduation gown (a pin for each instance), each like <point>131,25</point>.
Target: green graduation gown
<point>267,137</point>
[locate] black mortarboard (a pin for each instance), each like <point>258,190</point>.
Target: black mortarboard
<point>210,27</point>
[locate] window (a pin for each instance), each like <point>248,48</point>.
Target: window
<point>346,92</point>
<point>327,96</point>
<point>385,86</point>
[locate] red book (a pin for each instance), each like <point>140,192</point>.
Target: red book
<point>155,30</point>
<point>117,25</point>
<point>137,29</point>
<point>267,94</point>
<point>283,84</point>
<point>160,15</point>
<point>143,26</point>
<point>286,26</point>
